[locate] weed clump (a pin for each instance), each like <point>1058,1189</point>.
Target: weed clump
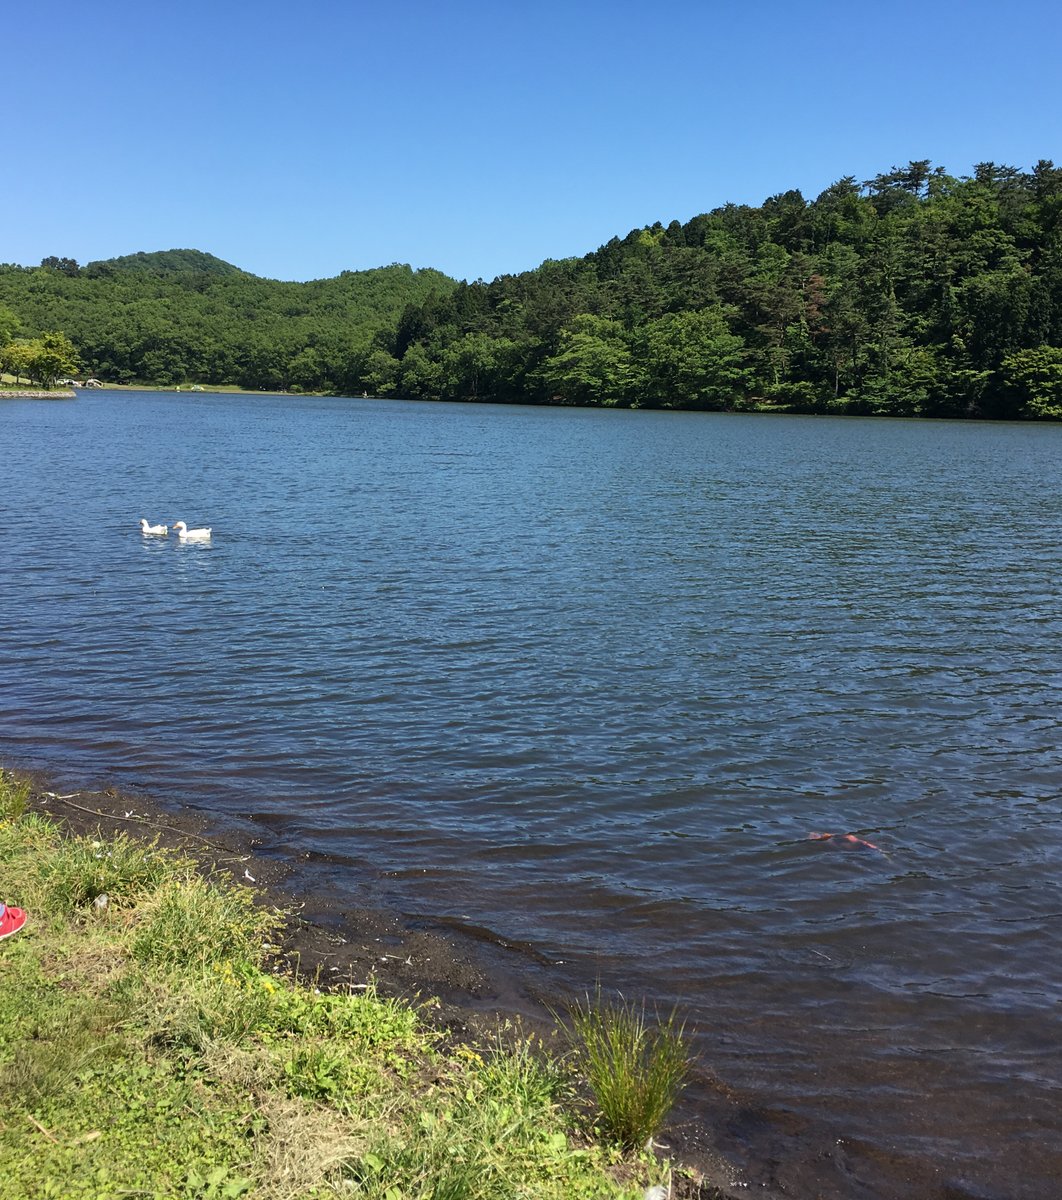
<point>635,1068</point>
<point>190,922</point>
<point>14,797</point>
<point>82,870</point>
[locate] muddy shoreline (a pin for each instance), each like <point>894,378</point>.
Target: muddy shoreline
<point>481,982</point>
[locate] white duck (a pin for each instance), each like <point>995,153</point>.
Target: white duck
<point>185,534</point>
<point>146,528</point>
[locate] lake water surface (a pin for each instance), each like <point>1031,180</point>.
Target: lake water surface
<point>589,679</point>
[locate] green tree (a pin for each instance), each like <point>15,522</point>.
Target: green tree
<point>381,373</point>
<point>9,325</point>
<point>592,366</point>
<point>470,365</point>
<point>421,374</point>
<point>16,357</point>
<point>68,266</point>
<point>55,356</point>
<point>306,370</point>
<point>1034,377</point>
<point>692,360</point>
<point>43,360</point>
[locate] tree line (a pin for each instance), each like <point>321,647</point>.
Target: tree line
<point>41,360</point>
<point>182,316</point>
<point>912,293</point>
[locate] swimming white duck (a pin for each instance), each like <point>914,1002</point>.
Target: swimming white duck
<point>190,535</point>
<point>146,528</point>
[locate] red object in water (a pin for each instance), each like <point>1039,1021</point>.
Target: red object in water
<point>843,837</point>
<point>851,837</point>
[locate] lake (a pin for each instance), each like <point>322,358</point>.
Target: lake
<point>589,680</point>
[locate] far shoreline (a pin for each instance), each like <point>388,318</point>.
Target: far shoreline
<point>483,402</point>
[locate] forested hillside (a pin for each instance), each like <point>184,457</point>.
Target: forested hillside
<point>181,316</point>
<point>913,293</point>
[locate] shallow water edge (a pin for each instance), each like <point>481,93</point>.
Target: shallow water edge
<point>739,1142</point>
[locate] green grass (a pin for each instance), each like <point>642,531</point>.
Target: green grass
<point>14,796</point>
<point>147,1049</point>
<point>635,1067</point>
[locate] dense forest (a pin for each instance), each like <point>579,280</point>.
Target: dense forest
<point>913,293</point>
<point>181,316</point>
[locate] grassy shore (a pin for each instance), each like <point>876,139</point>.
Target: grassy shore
<point>152,1044</point>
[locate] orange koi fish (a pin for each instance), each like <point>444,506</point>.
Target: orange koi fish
<point>850,838</point>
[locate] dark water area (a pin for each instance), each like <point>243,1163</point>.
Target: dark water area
<point>589,680</point>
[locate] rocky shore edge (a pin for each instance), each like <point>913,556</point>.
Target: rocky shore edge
<point>35,394</point>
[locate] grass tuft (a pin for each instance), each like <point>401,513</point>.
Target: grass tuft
<point>523,1076</point>
<point>190,922</point>
<point>81,870</point>
<point>14,797</point>
<point>61,1043</point>
<point>635,1068</point>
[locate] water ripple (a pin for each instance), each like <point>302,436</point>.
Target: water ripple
<point>595,677</point>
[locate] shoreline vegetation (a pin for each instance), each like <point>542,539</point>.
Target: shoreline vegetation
<point>914,293</point>
<point>168,1029</point>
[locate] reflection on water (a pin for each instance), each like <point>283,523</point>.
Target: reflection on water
<point>594,678</point>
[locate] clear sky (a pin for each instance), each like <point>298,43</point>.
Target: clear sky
<point>303,138</point>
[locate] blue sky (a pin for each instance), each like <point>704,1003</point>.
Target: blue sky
<point>298,140</point>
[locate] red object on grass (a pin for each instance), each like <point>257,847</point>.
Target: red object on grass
<point>11,920</point>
